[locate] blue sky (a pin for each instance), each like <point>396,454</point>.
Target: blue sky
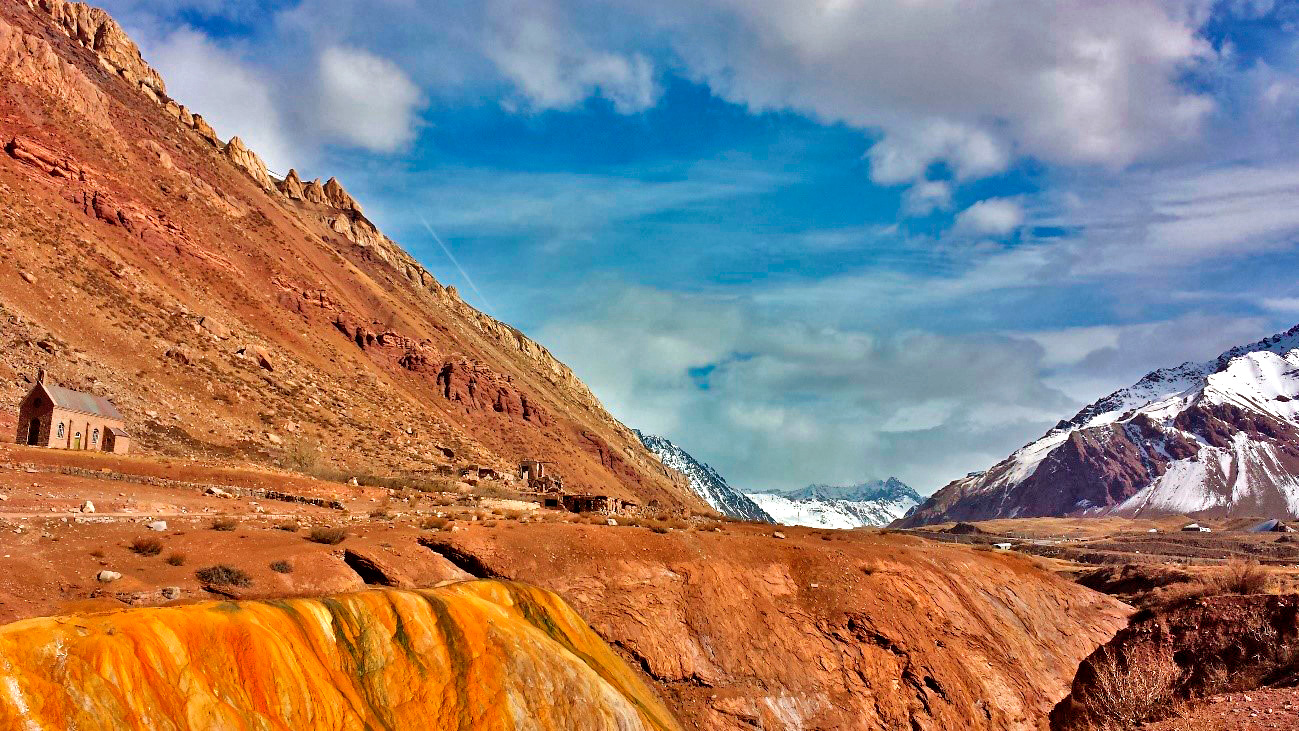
<point>814,241</point>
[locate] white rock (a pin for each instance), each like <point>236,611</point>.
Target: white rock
<point>170,593</point>
<point>779,535</point>
<point>87,507</point>
<point>610,521</point>
<point>158,525</point>
<point>107,576</point>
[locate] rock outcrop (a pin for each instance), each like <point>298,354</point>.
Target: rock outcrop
<point>249,162</point>
<point>97,31</point>
<point>475,655</point>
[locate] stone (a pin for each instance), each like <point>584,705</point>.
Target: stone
<point>215,491</point>
<point>28,277</point>
<point>179,354</point>
<point>610,521</point>
<point>214,327</point>
<point>291,186</point>
<point>274,438</point>
<point>157,525</point>
<point>779,535</point>
<point>107,576</point>
<point>87,507</point>
<point>205,130</point>
<point>249,162</point>
<point>170,593</point>
<point>262,356</point>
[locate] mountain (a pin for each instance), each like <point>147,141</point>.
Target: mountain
<point>704,480</point>
<point>852,506</point>
<point>232,314</point>
<point>1218,438</point>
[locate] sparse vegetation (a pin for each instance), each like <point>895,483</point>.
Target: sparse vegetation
<point>434,523</point>
<point>224,575</point>
<point>678,524</point>
<point>658,526</point>
<point>290,526</point>
<point>1242,577</point>
<point>380,514</point>
<point>327,536</point>
<point>224,524</point>
<point>1131,689</point>
<point>282,567</point>
<point>175,558</point>
<point>97,553</point>
<point>146,546</point>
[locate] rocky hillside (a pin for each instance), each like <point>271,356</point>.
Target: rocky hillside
<point>1218,439</point>
<point>828,506</point>
<point>465,656</point>
<point>231,314</point>
<point>705,481</point>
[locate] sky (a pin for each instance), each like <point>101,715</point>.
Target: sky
<point>807,240</point>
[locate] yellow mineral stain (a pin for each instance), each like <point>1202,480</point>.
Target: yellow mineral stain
<point>474,655</point>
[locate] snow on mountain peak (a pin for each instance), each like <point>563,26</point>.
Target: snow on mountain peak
<point>706,482</point>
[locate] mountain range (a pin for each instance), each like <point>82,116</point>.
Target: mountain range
<point>1215,438</point>
<point>852,506</point>
<point>705,481</point>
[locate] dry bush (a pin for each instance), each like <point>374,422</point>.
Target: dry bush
<point>1242,577</point>
<point>434,523</point>
<point>303,455</point>
<point>223,575</point>
<point>290,526</point>
<point>380,514</point>
<point>97,553</point>
<point>224,524</point>
<point>175,558</point>
<point>678,524</point>
<point>512,514</point>
<point>328,536</point>
<point>658,527</point>
<point>709,525</point>
<point>489,524</point>
<point>282,567</point>
<point>1130,689</point>
<point>146,546</point>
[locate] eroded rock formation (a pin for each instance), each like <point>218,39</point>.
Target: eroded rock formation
<point>478,655</point>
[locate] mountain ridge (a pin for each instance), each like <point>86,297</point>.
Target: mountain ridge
<point>705,481</point>
<point>871,503</point>
<point>1218,437</point>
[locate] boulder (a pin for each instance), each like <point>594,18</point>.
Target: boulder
<point>170,593</point>
<point>214,327</point>
<point>87,507</point>
<point>107,576</point>
<point>27,277</point>
<point>157,525</point>
<point>262,356</point>
<point>179,354</point>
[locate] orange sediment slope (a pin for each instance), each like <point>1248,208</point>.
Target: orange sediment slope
<point>474,655</point>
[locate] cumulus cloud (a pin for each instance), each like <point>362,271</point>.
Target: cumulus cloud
<point>553,68</point>
<point>365,101</point>
<point>991,217</point>
<point>230,92</point>
<point>926,197</point>
<point>778,402</point>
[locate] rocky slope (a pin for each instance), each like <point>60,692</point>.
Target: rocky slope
<point>231,314</point>
<point>1218,439</point>
<point>472,655</point>
<point>705,481</point>
<point>741,630</point>
<point>827,506</point>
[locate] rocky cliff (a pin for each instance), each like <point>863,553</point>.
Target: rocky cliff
<point>231,314</point>
<point>705,481</point>
<point>478,655</point>
<point>1218,438</point>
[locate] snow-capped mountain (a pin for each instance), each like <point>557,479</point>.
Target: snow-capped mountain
<point>704,480</point>
<point>852,506</point>
<point>1218,438</point>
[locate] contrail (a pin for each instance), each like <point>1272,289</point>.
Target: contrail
<point>459,268</point>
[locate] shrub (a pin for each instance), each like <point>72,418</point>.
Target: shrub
<point>380,514</point>
<point>658,527</point>
<point>328,536</point>
<point>97,553</point>
<point>1243,577</point>
<point>289,525</point>
<point>176,558</point>
<point>434,523</point>
<point>224,523</point>
<point>1131,689</point>
<point>282,567</point>
<point>146,546</point>
<point>223,575</point>
<point>678,524</point>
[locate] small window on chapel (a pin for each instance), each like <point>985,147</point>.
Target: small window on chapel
<point>94,437</point>
<point>60,431</point>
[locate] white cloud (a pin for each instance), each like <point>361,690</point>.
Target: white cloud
<point>230,93</point>
<point>926,197</point>
<point>365,100</point>
<point>554,68</point>
<point>992,217</point>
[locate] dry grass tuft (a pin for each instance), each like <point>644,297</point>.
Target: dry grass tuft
<point>223,575</point>
<point>1131,689</point>
<point>328,536</point>
<point>224,524</point>
<point>146,546</point>
<point>175,558</point>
